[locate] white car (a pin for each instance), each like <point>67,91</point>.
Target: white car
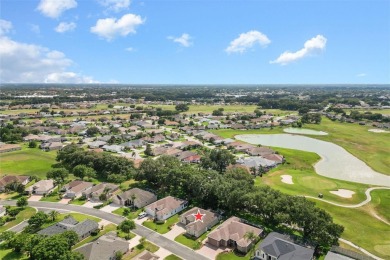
<point>142,215</point>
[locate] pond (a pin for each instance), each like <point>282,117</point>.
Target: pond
<point>293,130</point>
<point>335,161</point>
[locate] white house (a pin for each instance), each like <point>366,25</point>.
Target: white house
<point>166,207</point>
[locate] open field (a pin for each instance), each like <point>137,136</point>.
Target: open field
<point>28,161</point>
<point>306,181</point>
<point>374,111</point>
<point>361,228</point>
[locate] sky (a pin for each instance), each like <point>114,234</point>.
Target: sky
<point>195,42</point>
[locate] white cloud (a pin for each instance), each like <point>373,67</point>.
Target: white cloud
<point>115,5</point>
<point>130,49</point>
<point>54,8</point>
<point>361,75</point>
<point>29,63</point>
<point>5,26</point>
<point>110,28</point>
<point>65,27</point>
<point>246,41</point>
<point>310,47</point>
<point>184,40</point>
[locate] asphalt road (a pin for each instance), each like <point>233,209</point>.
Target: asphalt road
<point>154,237</point>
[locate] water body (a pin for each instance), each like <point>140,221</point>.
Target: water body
<point>292,130</point>
<point>335,161</point>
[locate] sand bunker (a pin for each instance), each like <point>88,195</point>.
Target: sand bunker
<point>378,131</point>
<point>343,193</point>
<point>287,179</point>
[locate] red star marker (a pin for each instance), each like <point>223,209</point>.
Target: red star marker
<point>199,216</point>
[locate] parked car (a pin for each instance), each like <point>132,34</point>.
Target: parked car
<point>142,215</point>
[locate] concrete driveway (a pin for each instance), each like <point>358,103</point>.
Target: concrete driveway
<point>35,198</point>
<point>210,251</point>
<point>90,204</point>
<point>162,253</point>
<point>64,201</point>
<point>175,231</point>
<point>110,208</point>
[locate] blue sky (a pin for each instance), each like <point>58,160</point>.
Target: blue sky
<point>195,42</point>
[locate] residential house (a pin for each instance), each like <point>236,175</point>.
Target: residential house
<point>96,191</point>
<point>196,229</point>
<point>277,158</point>
<point>8,179</point>
<point>51,146</point>
<point>41,187</point>
<point>134,143</point>
<point>83,229</point>
<point>135,197</point>
<point>113,148</point>
<point>231,233</point>
<point>166,207</point>
<point>96,144</point>
<point>4,148</point>
<point>75,189</point>
<point>279,246</point>
<point>104,248</point>
<point>239,146</point>
<point>260,151</point>
<point>256,162</point>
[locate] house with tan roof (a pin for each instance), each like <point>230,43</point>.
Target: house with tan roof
<point>166,207</point>
<point>41,187</point>
<point>97,190</point>
<point>75,189</point>
<point>135,197</point>
<point>8,179</point>
<point>196,229</point>
<point>4,148</point>
<point>231,233</point>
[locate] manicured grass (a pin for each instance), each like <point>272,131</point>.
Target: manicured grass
<point>372,148</point>
<point>8,254</point>
<point>77,216</point>
<point>139,249</point>
<point>23,215</point>
<point>381,203</point>
<point>106,229</point>
<point>28,161</point>
<point>299,165</point>
<point>361,228</point>
<point>192,242</point>
<point>52,197</point>
<point>162,228</point>
<point>172,257</point>
<point>232,256</point>
<point>79,201</point>
<point>133,213</point>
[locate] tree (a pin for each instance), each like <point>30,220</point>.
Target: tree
<point>71,237</point>
<point>148,150</point>
<point>32,144</point>
<point>118,255</point>
<point>58,174</point>
<point>182,107</point>
<point>37,220</point>
<point>7,237</point>
<point>126,226</point>
<point>22,202</point>
<point>82,171</point>
<point>53,215</point>
<point>92,131</point>
<point>218,160</point>
<point>54,247</point>
<point>217,112</point>
<point>251,236</point>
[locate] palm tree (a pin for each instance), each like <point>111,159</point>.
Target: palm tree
<point>133,197</point>
<point>53,215</point>
<point>251,236</point>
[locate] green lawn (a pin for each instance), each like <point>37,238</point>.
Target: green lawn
<point>79,201</point>
<point>133,213</point>
<point>381,203</point>
<point>23,215</point>
<point>162,228</point>
<point>191,242</point>
<point>172,257</point>
<point>8,254</point>
<point>139,249</point>
<point>106,229</point>
<point>52,197</point>
<point>361,228</point>
<point>28,161</point>
<point>237,256</point>
<point>372,148</point>
<point>306,181</point>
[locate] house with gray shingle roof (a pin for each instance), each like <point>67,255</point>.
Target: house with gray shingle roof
<point>135,197</point>
<point>104,248</point>
<point>197,228</point>
<point>282,247</point>
<point>83,229</point>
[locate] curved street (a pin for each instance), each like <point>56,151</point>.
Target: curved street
<point>154,237</point>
